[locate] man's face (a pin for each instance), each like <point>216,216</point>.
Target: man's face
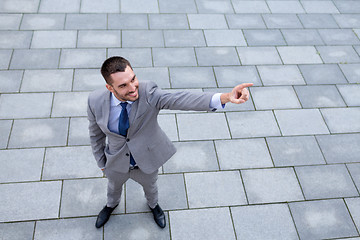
<point>124,85</point>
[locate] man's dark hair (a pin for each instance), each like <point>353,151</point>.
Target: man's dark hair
<point>113,65</point>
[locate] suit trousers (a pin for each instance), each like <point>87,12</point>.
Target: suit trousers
<point>116,180</point>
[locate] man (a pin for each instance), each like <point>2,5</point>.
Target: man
<point>126,115</point>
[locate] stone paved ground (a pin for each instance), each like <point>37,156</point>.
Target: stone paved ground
<point>285,165</point>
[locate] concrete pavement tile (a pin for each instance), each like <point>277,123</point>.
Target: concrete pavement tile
<point>353,205</point>
<point>354,169</point>
<point>214,6</point>
<point>207,21</point>
<point>338,54</point>
<point>227,76</point>
<point>19,6</point>
<point>338,36</point>
<point>67,229</point>
<point>357,48</point>
<point>319,7</point>
<point>15,39</point>
<point>174,6</point>
<point>10,21</point>
<point>10,80</point>
<point>322,74</point>
<point>5,56</point>
<point>196,126</point>
<point>245,21</point>
<point>302,37</point>
<point>243,153</point>
<point>352,72</point>
<point>35,58</point>
<point>139,6</point>
<point>127,21</point>
<point>86,21</point>
<point>340,148</point>
<point>264,222</point>
<point>173,57</point>
<point>167,123</point>
<point>5,128</point>
<point>281,97</point>
<point>322,219</point>
<point>347,20</point>
<point>98,38</point>
<point>217,56</point>
<point>285,7</point>
<point>54,39</point>
<point>33,105</point>
<point>252,124</point>
<point>299,55</point>
<point>319,96</point>
<point>82,58</point>
<point>318,21</point>
<point>43,21</point>
<point>47,80</point>
<point>79,132</point>
<point>281,75</point>
<point>250,6</point>
<point>21,164</point>
<point>87,80</point>
<point>192,156</point>
<point>54,6</point>
<point>342,120</point>
<point>192,77</point>
<point>69,162</point>
<point>301,122</point>
<point>264,37</point>
<point>282,20</point>
<point>168,21</point>
<point>39,133</point>
<point>138,57</point>
<point>100,6</point>
<point>184,38</point>
<point>21,230</point>
<point>159,75</point>
<point>69,104</point>
<point>37,200</point>
<point>348,6</point>
<point>295,151</point>
<point>142,38</point>
<point>258,55</point>
<point>330,181</point>
<point>271,185</point>
<point>351,94</point>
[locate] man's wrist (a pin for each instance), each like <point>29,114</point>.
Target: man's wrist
<point>224,98</point>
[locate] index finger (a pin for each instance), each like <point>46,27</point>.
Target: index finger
<point>244,85</point>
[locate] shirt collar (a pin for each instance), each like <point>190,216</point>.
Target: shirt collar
<point>116,102</point>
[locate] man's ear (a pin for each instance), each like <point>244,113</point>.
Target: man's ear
<point>109,87</point>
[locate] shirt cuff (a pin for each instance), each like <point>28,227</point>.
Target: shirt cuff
<point>215,102</point>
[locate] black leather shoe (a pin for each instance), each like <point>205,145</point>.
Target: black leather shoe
<point>159,216</point>
<point>104,216</point>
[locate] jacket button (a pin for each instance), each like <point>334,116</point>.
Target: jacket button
<point>127,154</point>
<point>128,140</point>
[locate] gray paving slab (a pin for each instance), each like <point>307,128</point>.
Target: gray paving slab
<point>207,21</point>
<point>338,36</point>
<point>264,37</point>
<point>142,38</point>
<point>19,6</point>
<point>282,21</point>
<point>322,219</point>
<point>302,37</point>
<point>168,21</point>
<point>330,181</point>
<point>39,200</point>
<point>69,104</point>
<point>212,223</point>
<point>21,230</point>
<point>299,55</point>
<point>206,6</point>
<point>350,93</point>
<point>88,79</point>
<point>217,56</point>
<point>138,57</point>
<point>35,59</point>
<point>54,39</point>
<point>353,205</point>
<point>44,21</point>
<point>167,123</point>
<point>250,6</point>
<point>348,7</point>
<point>281,75</point>
<point>245,21</point>
<point>271,185</point>
<point>351,71</point>
<point>338,54</point>
<point>285,7</point>
<point>319,7</point>
<point>319,96</point>
<point>322,74</point>
<point>192,77</point>
<point>101,6</point>
<point>184,38</point>
<point>53,6</point>
<point>228,76</point>
<point>342,120</point>
<point>159,75</point>
<point>82,58</point>
<point>347,20</point>
<point>127,21</point>
<point>139,6</point>
<point>174,6</point>
<point>318,20</point>
<point>86,21</point>
<point>10,21</point>
<point>354,170</point>
<point>99,38</point>
<point>271,221</point>
<point>172,57</point>
<point>224,38</point>
<point>10,81</point>
<point>258,55</point>
<point>5,128</point>
<point>79,132</point>
<point>5,56</point>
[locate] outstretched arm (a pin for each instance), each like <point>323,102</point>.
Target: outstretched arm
<point>239,94</point>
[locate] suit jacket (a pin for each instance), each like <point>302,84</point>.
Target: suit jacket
<point>148,144</point>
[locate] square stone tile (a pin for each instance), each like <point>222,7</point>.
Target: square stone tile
<point>19,6</point>
<point>39,133</point>
<point>258,55</point>
<point>319,7</point>
<point>35,58</point>
<point>319,96</point>
<point>243,153</point>
<point>68,104</point>
<point>10,81</point>
<point>338,54</point>
<point>15,39</point>
<point>192,77</point>
<point>245,21</point>
<point>271,185</point>
<point>322,219</point>
<point>82,58</point>
<point>282,21</point>
<point>338,36</point>
<point>65,6</point>
<point>340,148</point>
<point>159,75</point>
<point>39,200</point>
<point>252,124</point>
<point>10,21</point>
<point>127,21</point>
<point>164,57</point>
<point>281,75</point>
<point>224,38</point>
<point>348,20</point>
<point>184,38</point>
<point>285,7</point>
<point>299,55</point>
<point>348,7</point>
<point>21,230</point>
<point>47,80</point>
<point>5,56</point>
<point>196,126</point>
<point>174,6</point>
<point>138,57</point>
<point>228,76</point>
<point>168,124</point>
<point>98,38</point>
<point>351,71</point>
<point>264,97</point>
<point>139,6</point>
<point>217,56</point>
<point>79,132</point>
<point>250,6</point>
<point>168,21</point>
<point>192,156</point>
<point>318,20</point>
<point>42,21</point>
<point>88,79</point>
<point>67,229</point>
<point>21,164</point>
<point>330,181</point>
<point>33,105</point>
<point>86,21</point>
<point>214,6</point>
<point>54,39</point>
<point>301,122</point>
<point>353,205</point>
<point>302,37</point>
<point>342,120</point>
<point>295,151</point>
<point>100,6</point>
<point>207,21</point>
<point>142,38</point>
<point>350,93</point>
<point>5,128</point>
<point>322,74</point>
<point>264,37</point>
<point>70,162</point>
<point>212,224</point>
<point>272,221</point>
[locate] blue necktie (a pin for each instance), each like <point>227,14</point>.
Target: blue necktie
<point>124,126</point>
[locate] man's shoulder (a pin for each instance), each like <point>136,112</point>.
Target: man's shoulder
<point>98,93</point>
